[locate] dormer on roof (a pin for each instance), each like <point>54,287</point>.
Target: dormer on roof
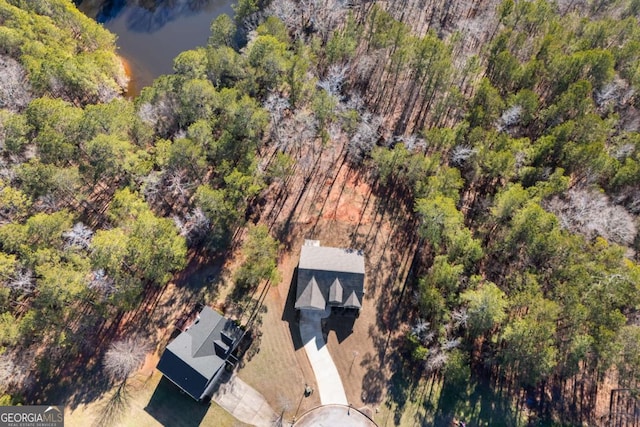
<point>352,301</point>
<point>311,297</point>
<point>326,276</point>
<point>335,292</point>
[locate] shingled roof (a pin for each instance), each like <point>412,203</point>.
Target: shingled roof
<point>311,296</point>
<point>335,291</point>
<point>194,357</point>
<point>331,259</point>
<point>329,276</point>
<point>352,301</point>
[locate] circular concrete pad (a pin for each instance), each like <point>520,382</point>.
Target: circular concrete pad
<point>334,415</point>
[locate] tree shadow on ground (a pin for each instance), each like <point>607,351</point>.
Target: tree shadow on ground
<point>171,407</point>
<point>402,387</point>
<point>74,375</point>
<point>114,408</point>
<point>384,375</point>
<point>495,408</point>
<point>198,283</point>
<point>390,279</point>
<point>476,402</point>
<point>452,404</point>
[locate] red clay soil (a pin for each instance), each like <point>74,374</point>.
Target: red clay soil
<point>337,206</point>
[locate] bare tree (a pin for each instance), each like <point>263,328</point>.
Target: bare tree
<point>15,90</point>
<point>623,151</point>
<point>181,225</point>
<point>179,185</point>
<point>333,81</point>
<point>296,133</point>
<point>592,214</point>
<point>150,113</point>
<point>288,12</point>
<point>49,202</point>
<point>629,197</point>
<point>322,15</point>
<point>15,370</point>
<point>354,102</point>
<point>7,172</point>
<point>422,330</point>
<point>450,344</point>
<point>510,117</point>
<point>107,93</point>
<point>276,105</point>
<point>616,92</point>
<point>193,226</point>
<point>152,187</point>
<point>460,317</point>
<point>365,65</point>
<point>436,359</point>
<point>8,371</point>
<point>102,283</point>
<point>78,237</point>
<point>161,114</point>
<point>412,143</point>
<point>23,281</point>
<point>460,154</point>
<point>335,131</point>
<point>365,138</point>
<point>124,357</point>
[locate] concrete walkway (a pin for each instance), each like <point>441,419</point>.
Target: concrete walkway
<point>327,377</point>
<point>244,402</point>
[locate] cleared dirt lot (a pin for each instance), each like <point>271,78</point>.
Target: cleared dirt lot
<point>337,207</point>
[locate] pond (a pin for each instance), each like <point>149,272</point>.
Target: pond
<point>153,32</point>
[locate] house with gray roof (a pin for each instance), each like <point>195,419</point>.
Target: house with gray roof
<point>196,358</point>
<point>330,278</point>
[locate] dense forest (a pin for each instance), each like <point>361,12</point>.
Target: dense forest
<point>507,131</point>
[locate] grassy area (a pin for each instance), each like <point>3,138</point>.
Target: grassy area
<point>429,402</point>
<point>280,371</point>
<point>148,401</point>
